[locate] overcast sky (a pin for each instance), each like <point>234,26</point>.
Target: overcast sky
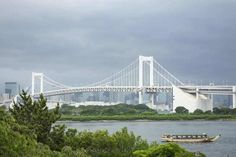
<point>78,42</point>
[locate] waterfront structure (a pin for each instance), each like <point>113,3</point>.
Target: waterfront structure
<point>146,78</point>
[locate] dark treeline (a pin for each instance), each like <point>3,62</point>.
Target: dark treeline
<point>28,130</point>
<point>95,110</point>
<point>140,109</point>
<point>140,112</point>
<point>216,111</point>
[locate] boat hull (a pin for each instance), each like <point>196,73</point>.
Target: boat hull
<point>191,140</point>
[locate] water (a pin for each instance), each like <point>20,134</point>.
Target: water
<point>152,130</point>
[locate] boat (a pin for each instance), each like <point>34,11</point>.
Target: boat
<point>189,138</point>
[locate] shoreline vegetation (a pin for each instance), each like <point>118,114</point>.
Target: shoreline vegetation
<point>123,112</point>
<point>169,117</point>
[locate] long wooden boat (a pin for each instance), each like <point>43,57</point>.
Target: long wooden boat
<point>189,138</point>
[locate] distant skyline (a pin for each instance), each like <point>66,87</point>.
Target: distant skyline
<point>77,42</point>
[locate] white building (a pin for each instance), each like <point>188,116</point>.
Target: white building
<point>190,101</point>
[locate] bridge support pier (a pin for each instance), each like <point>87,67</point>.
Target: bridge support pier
<point>212,101</point>
<point>152,97</point>
<point>140,97</point>
<point>197,93</point>
<point>234,96</point>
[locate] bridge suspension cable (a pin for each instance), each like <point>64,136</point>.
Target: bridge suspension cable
<point>54,83</point>
<point>170,77</point>
<point>118,78</point>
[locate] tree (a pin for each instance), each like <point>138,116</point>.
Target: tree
<point>233,111</point>
<point>35,115</point>
<point>3,107</point>
<point>56,137</point>
<point>181,110</point>
<point>216,110</point>
<point>14,143</point>
<point>198,111</point>
<point>166,150</point>
<point>126,143</point>
<point>221,110</point>
<point>208,112</point>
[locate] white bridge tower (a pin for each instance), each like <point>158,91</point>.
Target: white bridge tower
<point>34,76</point>
<point>142,60</point>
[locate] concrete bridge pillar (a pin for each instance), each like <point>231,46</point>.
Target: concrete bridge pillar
<point>211,101</point>
<point>152,97</point>
<point>234,96</point>
<point>197,93</point>
<point>140,97</point>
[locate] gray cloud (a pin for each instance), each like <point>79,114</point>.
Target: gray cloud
<point>77,42</point>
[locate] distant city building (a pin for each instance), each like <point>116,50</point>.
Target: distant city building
<point>131,98</point>
<point>223,101</point>
<point>11,88</point>
<point>106,96</point>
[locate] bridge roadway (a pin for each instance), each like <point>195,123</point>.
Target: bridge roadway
<point>217,90</point>
<point>134,89</point>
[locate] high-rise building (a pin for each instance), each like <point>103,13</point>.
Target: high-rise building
<point>11,88</point>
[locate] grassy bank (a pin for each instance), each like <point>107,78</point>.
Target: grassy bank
<point>156,117</point>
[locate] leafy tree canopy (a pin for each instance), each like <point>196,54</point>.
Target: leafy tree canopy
<point>166,150</point>
<point>35,115</point>
<point>198,111</point>
<point>181,110</point>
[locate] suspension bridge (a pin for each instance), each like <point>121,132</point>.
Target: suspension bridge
<point>145,77</point>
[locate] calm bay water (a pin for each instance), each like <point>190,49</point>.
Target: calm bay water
<point>152,130</point>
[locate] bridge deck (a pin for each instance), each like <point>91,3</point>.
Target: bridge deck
<point>222,90</point>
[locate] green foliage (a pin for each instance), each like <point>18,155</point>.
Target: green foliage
<point>3,107</point>
<point>56,137</point>
<point>120,109</point>
<point>166,150</point>
<point>17,141</point>
<point>71,132</point>
<point>11,143</point>
<point>208,112</point>
<point>216,110</point>
<point>35,115</point>
<point>150,117</point>
<point>67,109</point>
<point>68,152</point>
<point>198,111</point>
<point>100,143</point>
<point>224,111</point>
<point>181,110</point>
<point>126,143</point>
